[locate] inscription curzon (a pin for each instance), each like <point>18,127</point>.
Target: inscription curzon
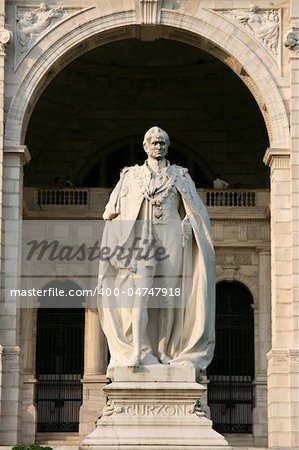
<point>155,410</point>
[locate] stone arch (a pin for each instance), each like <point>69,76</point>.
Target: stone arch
<point>247,283</point>
<point>205,29</point>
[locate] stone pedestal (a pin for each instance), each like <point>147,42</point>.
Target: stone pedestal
<point>157,407</point>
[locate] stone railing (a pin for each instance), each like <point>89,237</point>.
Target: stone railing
<point>90,202</point>
<point>62,197</point>
<point>224,198</point>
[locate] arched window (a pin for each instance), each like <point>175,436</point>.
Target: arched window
<point>232,369</point>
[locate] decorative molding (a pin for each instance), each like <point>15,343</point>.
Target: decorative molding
<point>292,41</point>
<point>283,355</point>
<point>233,64</point>
<point>277,356</point>
<point>234,260</point>
<point>277,158</point>
<point>242,232</point>
<point>217,230</point>
<point>148,11</point>
<point>229,267</point>
<point>264,24</point>
<point>20,150</point>
<point>243,259</point>
<point>5,39</point>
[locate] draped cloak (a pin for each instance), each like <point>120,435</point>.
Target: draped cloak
<point>192,338</point>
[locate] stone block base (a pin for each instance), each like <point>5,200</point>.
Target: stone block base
<point>142,414</point>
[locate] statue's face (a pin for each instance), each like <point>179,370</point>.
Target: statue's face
<point>156,146</point>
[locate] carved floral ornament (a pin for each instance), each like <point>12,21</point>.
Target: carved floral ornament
<point>264,24</point>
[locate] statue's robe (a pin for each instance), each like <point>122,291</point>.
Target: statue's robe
<point>192,338</point>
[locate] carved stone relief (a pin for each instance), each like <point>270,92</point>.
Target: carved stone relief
<point>265,25</point>
<point>32,23</point>
<point>236,259</point>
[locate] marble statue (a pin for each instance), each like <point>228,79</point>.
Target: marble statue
<point>157,307</point>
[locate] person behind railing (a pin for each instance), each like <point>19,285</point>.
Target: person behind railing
<point>67,182</point>
<point>218,183</point>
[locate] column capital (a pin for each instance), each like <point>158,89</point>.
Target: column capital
<point>264,249</point>
<point>21,150</point>
<point>292,41</point>
<point>5,39</point>
<point>282,355</point>
<point>277,157</point>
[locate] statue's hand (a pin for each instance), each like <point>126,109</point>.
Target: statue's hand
<point>186,229</point>
<point>109,216</point>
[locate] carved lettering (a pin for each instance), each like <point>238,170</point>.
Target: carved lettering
<point>155,410</point>
<point>149,410</point>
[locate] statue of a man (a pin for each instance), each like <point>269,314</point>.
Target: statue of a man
<point>157,288</point>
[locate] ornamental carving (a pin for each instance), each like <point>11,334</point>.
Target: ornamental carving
<point>5,38</point>
<point>32,23</point>
<point>292,41</point>
<point>263,24</point>
<point>149,11</point>
<point>234,260</point>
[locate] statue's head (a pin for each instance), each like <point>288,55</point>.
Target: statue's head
<point>43,6</point>
<point>156,143</point>
<point>253,8</point>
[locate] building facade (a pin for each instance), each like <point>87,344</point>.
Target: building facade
<point>80,84</point>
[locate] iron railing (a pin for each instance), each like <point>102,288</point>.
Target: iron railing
<point>230,401</point>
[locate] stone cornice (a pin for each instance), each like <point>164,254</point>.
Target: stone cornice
<point>274,154</point>
<point>21,150</point>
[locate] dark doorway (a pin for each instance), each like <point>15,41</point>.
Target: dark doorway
<point>59,368</point>
<point>232,369</point>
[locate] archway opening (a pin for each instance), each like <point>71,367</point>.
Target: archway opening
<point>232,369</point>
<point>90,120</point>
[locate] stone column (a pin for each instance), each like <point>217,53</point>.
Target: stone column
<point>282,430</point>
<point>1,363</point>
<point>293,353</point>
<point>28,341</point>
<point>5,37</point>
<point>94,379</point>
<point>12,387</point>
<point>260,413</point>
